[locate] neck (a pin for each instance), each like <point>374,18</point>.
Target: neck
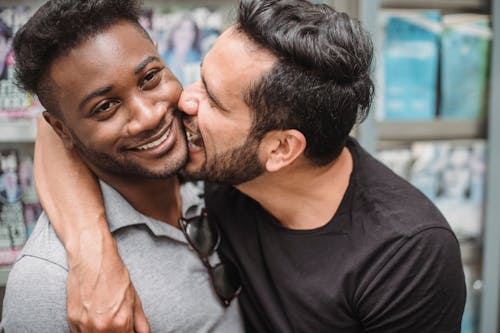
<point>159,199</point>
<point>303,197</point>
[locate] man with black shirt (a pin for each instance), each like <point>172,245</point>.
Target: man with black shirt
<point>326,239</point>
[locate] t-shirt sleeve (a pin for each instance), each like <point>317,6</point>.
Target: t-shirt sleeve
<point>35,298</point>
<point>420,288</point>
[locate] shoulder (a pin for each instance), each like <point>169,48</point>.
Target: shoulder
<point>424,276</point>
<point>41,265</point>
<point>45,245</point>
<point>35,297</point>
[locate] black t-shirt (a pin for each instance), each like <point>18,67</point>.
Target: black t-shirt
<point>386,262</point>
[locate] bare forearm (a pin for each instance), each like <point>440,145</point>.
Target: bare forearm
<point>69,193</point>
<point>100,295</point>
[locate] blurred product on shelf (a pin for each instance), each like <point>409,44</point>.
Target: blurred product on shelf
<point>19,205</point>
<point>451,174</point>
<point>410,64</point>
<point>465,47</point>
<point>183,35</point>
<point>423,48</point>
<point>14,103</point>
<point>472,271</point>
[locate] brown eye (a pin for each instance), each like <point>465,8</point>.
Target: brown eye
<point>150,79</point>
<point>105,107</point>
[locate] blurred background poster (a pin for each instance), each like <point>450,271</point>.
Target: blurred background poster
<point>183,35</point>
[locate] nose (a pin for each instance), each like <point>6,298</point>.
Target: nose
<point>190,99</point>
<point>144,114</point>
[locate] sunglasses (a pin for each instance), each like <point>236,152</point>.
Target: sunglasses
<point>204,238</point>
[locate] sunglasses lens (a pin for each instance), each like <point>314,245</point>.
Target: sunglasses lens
<point>226,281</point>
<point>202,235</point>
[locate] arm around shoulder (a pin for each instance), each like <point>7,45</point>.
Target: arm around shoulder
<point>98,279</point>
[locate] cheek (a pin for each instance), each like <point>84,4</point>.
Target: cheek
<point>170,89</point>
<point>104,137</point>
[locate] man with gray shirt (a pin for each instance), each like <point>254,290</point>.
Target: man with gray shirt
<point>111,99</point>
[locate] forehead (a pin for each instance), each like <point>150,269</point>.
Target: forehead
<point>235,62</point>
<point>104,59</point>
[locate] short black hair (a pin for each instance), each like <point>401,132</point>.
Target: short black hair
<point>57,27</point>
<point>320,84</point>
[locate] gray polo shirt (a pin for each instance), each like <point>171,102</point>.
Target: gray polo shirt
<point>173,284</point>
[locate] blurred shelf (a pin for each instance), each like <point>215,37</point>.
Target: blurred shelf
<point>19,130</point>
<point>449,4</point>
<point>431,130</point>
<point>183,3</point>
<point>4,274</point>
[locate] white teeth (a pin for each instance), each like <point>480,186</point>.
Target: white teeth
<point>191,137</point>
<point>192,145</point>
<point>155,143</point>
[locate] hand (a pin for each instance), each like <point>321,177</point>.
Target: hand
<point>101,297</point>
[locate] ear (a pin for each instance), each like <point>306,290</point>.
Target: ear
<point>279,149</point>
<point>59,127</point>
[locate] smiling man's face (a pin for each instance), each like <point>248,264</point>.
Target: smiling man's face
<point>118,102</point>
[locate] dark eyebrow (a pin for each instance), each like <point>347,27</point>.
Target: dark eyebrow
<point>105,90</point>
<point>212,96</point>
<point>144,63</point>
<point>98,92</point>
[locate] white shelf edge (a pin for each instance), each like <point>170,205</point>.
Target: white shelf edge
<point>438,129</point>
<point>449,4</point>
<point>19,130</point>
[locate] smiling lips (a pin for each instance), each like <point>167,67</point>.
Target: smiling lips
<point>155,143</point>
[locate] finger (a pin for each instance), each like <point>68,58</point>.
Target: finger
<point>141,324</point>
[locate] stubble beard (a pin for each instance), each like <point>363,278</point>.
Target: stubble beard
<point>235,166</point>
<point>124,166</point>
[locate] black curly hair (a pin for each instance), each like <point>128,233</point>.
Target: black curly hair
<point>57,27</point>
<point>321,82</point>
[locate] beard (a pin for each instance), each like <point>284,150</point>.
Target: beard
<point>125,167</point>
<point>235,166</point>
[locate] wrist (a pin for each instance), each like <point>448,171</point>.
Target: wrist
<point>91,242</point>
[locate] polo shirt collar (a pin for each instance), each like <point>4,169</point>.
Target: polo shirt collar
<point>120,214</point>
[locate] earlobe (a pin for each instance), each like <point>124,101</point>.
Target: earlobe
<point>282,148</point>
<point>59,127</point>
